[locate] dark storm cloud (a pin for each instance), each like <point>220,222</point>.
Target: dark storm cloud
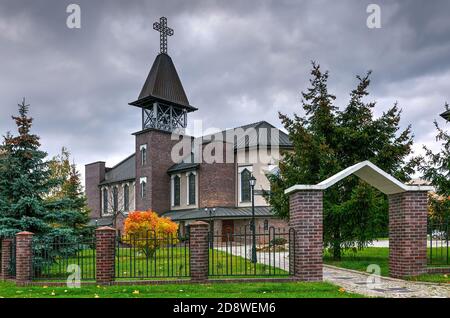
<point>239,61</point>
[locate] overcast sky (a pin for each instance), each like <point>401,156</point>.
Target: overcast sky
<point>239,62</point>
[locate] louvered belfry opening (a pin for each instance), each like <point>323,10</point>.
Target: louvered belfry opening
<point>163,100</point>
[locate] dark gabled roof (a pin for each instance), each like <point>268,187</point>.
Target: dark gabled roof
<point>183,166</point>
<point>124,170</point>
<point>446,115</point>
<point>221,213</point>
<point>163,85</point>
<point>254,140</point>
<point>240,142</point>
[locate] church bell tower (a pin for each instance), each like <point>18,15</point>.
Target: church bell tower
<point>164,106</point>
<point>162,99</point>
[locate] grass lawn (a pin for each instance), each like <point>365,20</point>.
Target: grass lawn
<point>216,290</point>
<point>376,255</point>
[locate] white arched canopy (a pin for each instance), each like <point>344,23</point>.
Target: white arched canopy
<point>368,172</point>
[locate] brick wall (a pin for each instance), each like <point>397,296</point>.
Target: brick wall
<point>6,256</point>
<point>159,147</point>
<point>199,251</point>
<point>408,233</point>
<point>306,218</point>
<point>94,174</point>
<point>105,254</point>
<point>217,183</point>
<point>23,257</point>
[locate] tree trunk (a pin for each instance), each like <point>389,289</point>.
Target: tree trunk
<point>336,250</point>
<point>337,246</point>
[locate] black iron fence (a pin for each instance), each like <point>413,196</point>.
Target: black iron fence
<point>61,259</point>
<point>152,255</point>
<point>438,241</point>
<point>244,253</point>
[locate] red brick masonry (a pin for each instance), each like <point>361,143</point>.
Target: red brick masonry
<point>199,251</point>
<point>23,257</point>
<point>306,218</point>
<point>6,256</point>
<point>408,233</point>
<point>105,246</point>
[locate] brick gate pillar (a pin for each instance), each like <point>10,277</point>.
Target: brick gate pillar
<point>306,218</point>
<point>6,257</point>
<point>408,233</point>
<point>199,251</point>
<point>24,257</point>
<point>105,243</point>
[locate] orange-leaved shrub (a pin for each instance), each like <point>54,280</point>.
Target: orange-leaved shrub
<point>147,231</point>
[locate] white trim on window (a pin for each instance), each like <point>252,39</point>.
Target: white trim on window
<point>240,169</point>
<point>142,180</point>
<point>143,154</point>
<point>172,192</point>
<point>187,186</point>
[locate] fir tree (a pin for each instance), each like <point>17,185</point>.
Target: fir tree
<point>326,141</point>
<point>33,197</point>
<point>24,179</point>
<point>435,168</point>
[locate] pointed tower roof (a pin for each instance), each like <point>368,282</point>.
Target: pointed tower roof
<point>163,85</point>
<point>446,115</point>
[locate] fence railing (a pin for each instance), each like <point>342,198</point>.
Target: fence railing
<point>438,241</point>
<point>243,253</point>
<point>57,259</point>
<point>152,255</point>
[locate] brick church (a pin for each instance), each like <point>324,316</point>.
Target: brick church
<point>185,190</point>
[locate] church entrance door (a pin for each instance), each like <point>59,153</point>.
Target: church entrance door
<point>227,230</point>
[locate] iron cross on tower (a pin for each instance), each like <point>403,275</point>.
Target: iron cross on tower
<point>164,31</point>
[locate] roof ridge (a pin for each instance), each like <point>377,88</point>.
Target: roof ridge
<point>118,164</point>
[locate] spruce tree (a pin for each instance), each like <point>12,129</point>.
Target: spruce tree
<point>326,141</point>
<point>33,197</point>
<point>435,168</point>
<point>24,179</point>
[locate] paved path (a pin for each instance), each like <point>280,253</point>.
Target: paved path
<point>363,283</point>
<point>358,282</point>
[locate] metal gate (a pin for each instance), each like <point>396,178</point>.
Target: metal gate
<point>246,253</point>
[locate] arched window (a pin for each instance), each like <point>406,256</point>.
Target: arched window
<point>126,198</point>
<point>115,199</point>
<point>143,188</point>
<point>105,201</point>
<point>176,191</point>
<point>191,185</point>
<point>245,185</point>
<point>143,150</point>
